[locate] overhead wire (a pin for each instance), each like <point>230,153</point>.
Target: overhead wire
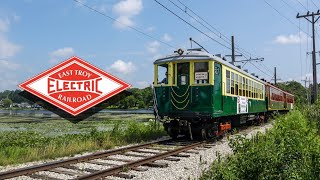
<point>206,22</point>
<point>314,4</point>
<point>185,11</point>
<point>302,5</point>
<point>175,14</point>
<point>284,16</point>
<point>246,54</point>
<point>261,70</point>
<point>126,25</point>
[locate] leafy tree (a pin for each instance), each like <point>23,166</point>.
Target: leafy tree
<point>7,102</point>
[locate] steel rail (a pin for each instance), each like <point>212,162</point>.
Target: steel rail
<point>130,165</point>
<point>47,166</point>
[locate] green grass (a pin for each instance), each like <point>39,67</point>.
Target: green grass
<point>25,146</point>
<point>290,150</point>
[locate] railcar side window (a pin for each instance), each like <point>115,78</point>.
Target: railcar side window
<point>236,84</point>
<point>243,86</point>
<point>201,75</point>
<point>228,81</point>
<point>163,74</point>
<point>232,83</point>
<point>247,88</point>
<point>240,85</point>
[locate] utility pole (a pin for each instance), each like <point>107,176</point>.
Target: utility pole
<point>307,88</point>
<point>275,76</point>
<point>233,54</point>
<point>314,62</point>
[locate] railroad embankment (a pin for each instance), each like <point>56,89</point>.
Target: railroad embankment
<point>290,150</point>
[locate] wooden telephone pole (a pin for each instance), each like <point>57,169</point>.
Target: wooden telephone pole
<point>313,20</point>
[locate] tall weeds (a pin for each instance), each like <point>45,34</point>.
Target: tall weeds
<point>25,146</point>
<point>290,150</point>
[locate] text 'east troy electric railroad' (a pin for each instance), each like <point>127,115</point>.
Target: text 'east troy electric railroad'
<point>201,94</point>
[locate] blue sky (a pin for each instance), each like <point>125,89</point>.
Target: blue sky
<point>37,34</point>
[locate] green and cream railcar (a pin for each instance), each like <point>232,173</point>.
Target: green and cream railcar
<point>201,93</point>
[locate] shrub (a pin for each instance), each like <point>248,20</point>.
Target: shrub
<point>290,150</point>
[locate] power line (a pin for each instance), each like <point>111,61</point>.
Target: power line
<point>284,16</point>
<point>187,8</point>
<point>260,69</point>
<point>314,4</point>
<point>115,20</point>
<point>302,5</point>
<point>203,25</point>
<point>221,34</point>
<point>291,7</point>
<point>185,11</point>
<point>192,25</point>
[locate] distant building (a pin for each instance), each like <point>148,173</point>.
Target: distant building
<point>24,105</point>
<point>14,105</point>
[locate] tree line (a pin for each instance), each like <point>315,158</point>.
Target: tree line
<point>139,98</point>
<point>143,98</point>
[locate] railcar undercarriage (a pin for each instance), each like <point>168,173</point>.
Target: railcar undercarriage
<point>208,127</point>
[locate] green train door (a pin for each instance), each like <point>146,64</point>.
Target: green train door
<point>217,89</point>
<point>180,95</point>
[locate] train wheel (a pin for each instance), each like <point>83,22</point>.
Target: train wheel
<point>211,133</point>
<point>173,129</point>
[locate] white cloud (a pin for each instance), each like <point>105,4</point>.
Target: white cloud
<point>16,17</point>
<point>151,29</point>
<point>126,10</point>
<point>7,48</point>
<point>61,53</point>
<point>128,7</point>
<point>5,64</point>
<point>166,37</point>
<point>4,25</point>
<point>291,39</point>
<point>123,22</point>
<point>143,84</point>
<point>122,67</point>
<point>153,47</point>
<point>6,84</point>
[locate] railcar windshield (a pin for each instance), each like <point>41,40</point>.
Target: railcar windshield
<point>163,74</point>
<point>201,72</point>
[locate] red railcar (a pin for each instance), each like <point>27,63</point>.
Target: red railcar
<point>277,99</point>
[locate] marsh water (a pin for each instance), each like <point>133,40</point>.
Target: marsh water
<point>46,112</point>
<point>46,122</point>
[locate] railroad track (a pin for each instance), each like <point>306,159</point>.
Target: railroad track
<point>168,150</point>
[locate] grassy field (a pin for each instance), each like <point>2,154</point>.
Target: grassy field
<point>24,139</point>
<point>290,150</point>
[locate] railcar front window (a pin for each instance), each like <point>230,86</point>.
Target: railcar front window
<point>163,74</point>
<point>201,75</point>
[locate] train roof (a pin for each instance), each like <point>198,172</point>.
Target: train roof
<point>199,54</point>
